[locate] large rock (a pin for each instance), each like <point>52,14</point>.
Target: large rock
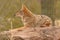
<point>37,33</point>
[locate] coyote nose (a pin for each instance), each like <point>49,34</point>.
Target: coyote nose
<point>14,14</point>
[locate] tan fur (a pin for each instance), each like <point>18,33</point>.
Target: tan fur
<point>31,20</point>
<point>26,11</point>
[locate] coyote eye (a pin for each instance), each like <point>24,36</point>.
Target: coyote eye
<point>21,12</point>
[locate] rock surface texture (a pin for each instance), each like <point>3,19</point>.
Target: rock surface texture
<point>37,33</point>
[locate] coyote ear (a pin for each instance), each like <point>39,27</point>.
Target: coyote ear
<point>26,11</point>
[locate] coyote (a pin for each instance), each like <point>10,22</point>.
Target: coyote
<point>32,20</point>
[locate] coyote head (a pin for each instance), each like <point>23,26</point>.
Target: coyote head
<point>26,15</point>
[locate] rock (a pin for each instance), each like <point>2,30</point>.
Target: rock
<point>37,33</point>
